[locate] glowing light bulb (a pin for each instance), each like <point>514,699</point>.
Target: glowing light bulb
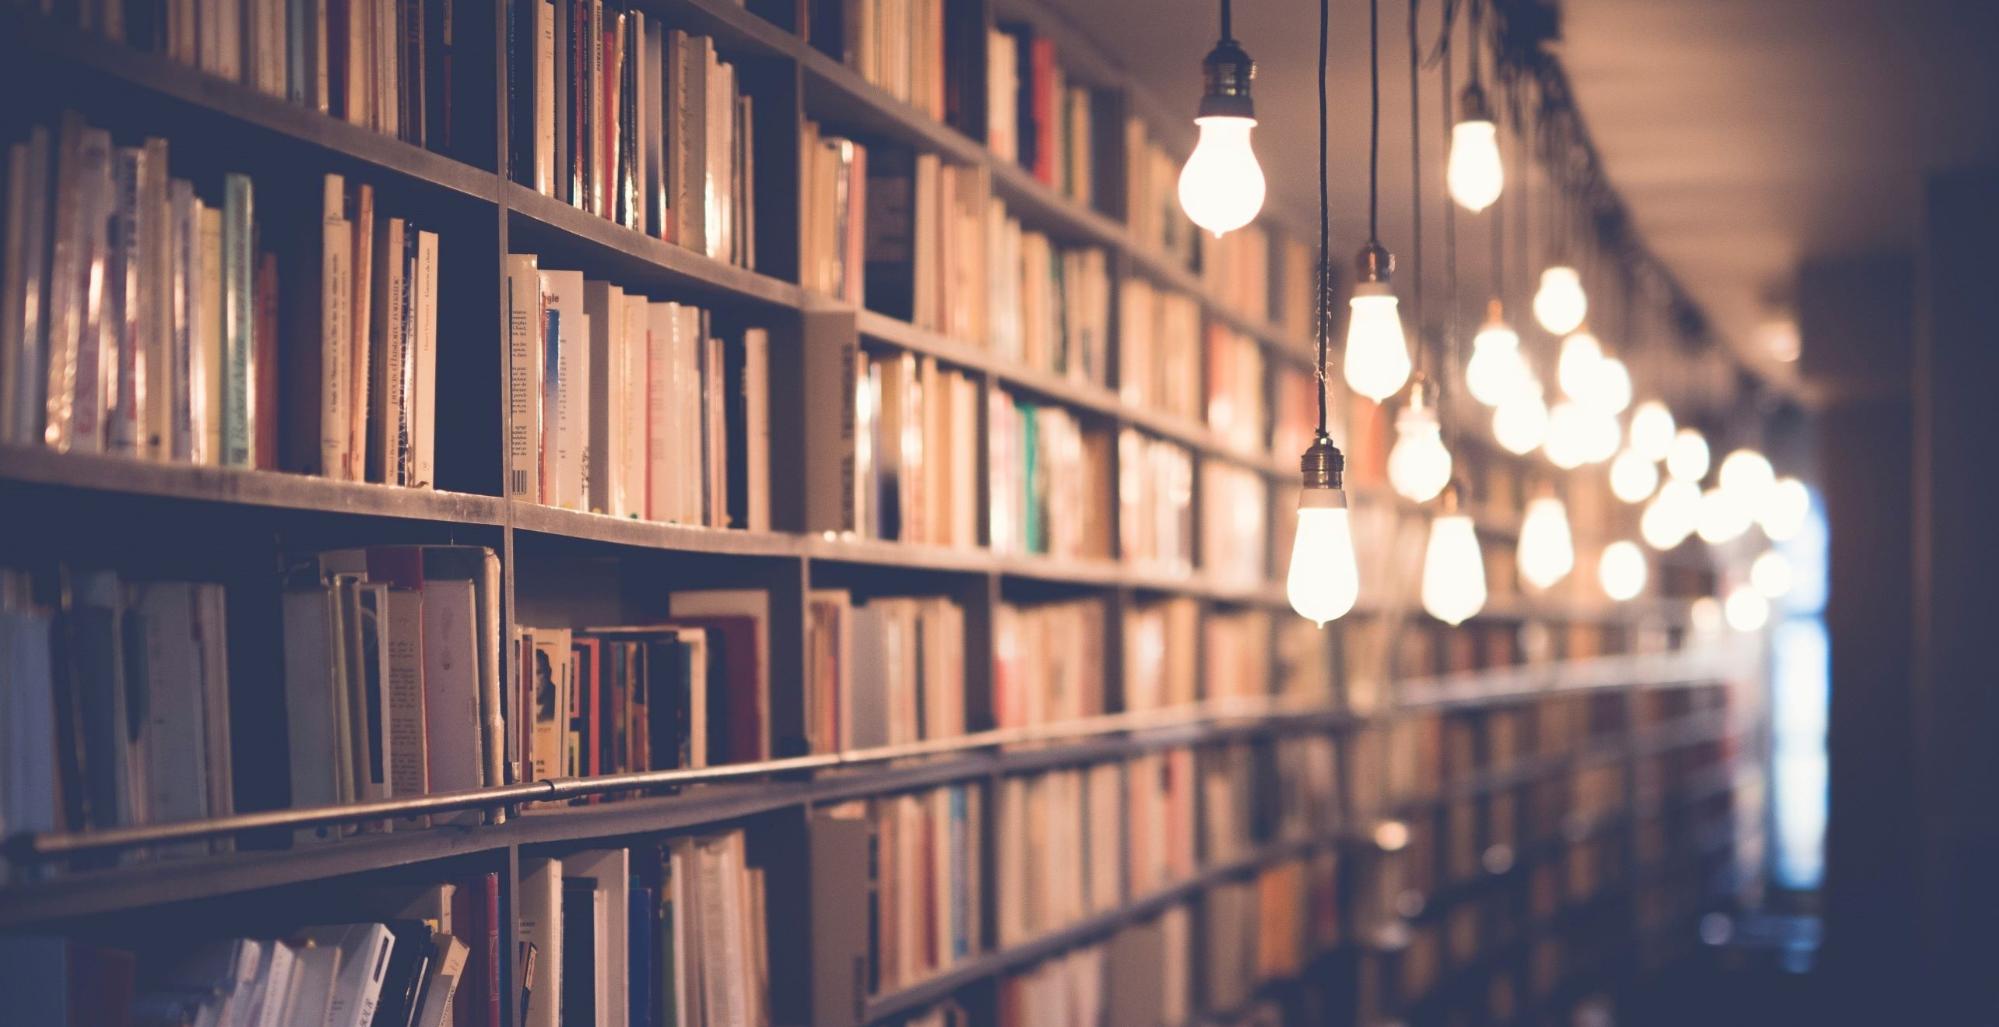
<point>1324,580</point>
<point>1600,434</point>
<point>1496,367</point>
<point>1547,553</point>
<point>1521,422</point>
<point>1746,609</point>
<point>1771,574</point>
<point>1377,361</point>
<point>1475,173</point>
<point>1419,466</point>
<point>1632,477</point>
<point>1575,370</point>
<point>1671,515</point>
<point>1748,475</point>
<point>1652,430</point>
<point>1560,304</point>
<point>1784,508</point>
<point>1687,458</point>
<point>1704,614</point>
<point>1567,445</point>
<point>1723,516</point>
<point>1453,570</point>
<point>1221,186</point>
<point>1611,391</point>
<point>1620,569</point>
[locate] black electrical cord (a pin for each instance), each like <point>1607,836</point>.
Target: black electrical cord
<point>1325,223</point>
<point>1373,120</point>
<point>1453,338</point>
<point>1226,35</point>
<point>1416,189</point>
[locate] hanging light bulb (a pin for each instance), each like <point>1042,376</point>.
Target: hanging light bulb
<point>1704,615</point>
<point>1419,466</point>
<point>1723,516</point>
<point>1566,445</point>
<point>1324,579</point>
<point>1575,369</point>
<point>1671,515</point>
<point>1521,422</point>
<point>1784,508</point>
<point>1652,430</point>
<point>1475,173</point>
<point>1496,367</point>
<point>1771,574</point>
<point>1547,553</point>
<point>1611,391</point>
<point>1748,475</point>
<point>1746,609</point>
<point>1632,477</point>
<point>1560,304</point>
<point>1221,186</point>
<point>1453,568</point>
<point>1620,569</point>
<point>1686,458</point>
<point>1377,361</point>
<point>1600,434</point>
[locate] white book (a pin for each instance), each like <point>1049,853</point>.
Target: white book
<point>604,304</point>
<point>205,384</point>
<point>756,417</point>
<point>177,763</point>
<point>661,319</point>
<point>541,926</point>
<point>442,981</point>
<point>316,972</point>
<point>632,385</point>
<point>364,956</point>
<point>311,695</point>
<point>408,748</point>
<point>423,363</point>
<point>335,336</point>
<point>27,724</point>
<point>544,97</point>
<point>277,984</point>
<point>612,870</point>
<point>562,292</point>
<point>688,344</point>
<point>524,327</point>
<point>388,384</point>
<point>452,728</point>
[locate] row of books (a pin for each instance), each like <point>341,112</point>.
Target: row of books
<point>1048,662</point>
<point>1236,653</point>
<point>141,320</point>
<point>1235,268</point>
<point>917,427</point>
<point>1037,117</point>
<point>1252,794</point>
<point>1160,668</point>
<point>633,407</point>
<point>115,703</point>
<point>433,960</point>
<point>1235,402</point>
<point>886,670</point>
<point>615,113</point>
<point>1235,523</point>
<point>1155,503</point>
<point>1159,338</point>
<point>1049,481</point>
<point>691,690</point>
<point>897,893</point>
<point>384,65</point>
<point>1153,213</point>
<point>926,245</point>
<point>1050,303</point>
<point>913,49</point>
<point>672,931</point>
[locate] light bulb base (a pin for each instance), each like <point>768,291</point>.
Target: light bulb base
<point>1226,74</point>
<point>1322,468</point>
<point>1419,391</point>
<point>1451,499</point>
<point>1374,264</point>
<point>1473,105</point>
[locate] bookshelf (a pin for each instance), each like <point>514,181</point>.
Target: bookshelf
<point>234,525</point>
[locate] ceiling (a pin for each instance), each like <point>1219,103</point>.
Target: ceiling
<point>1745,136</point>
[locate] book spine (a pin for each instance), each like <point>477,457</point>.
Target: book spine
<point>423,390</point>
<point>238,341</point>
<point>185,289</point>
<point>523,427</point>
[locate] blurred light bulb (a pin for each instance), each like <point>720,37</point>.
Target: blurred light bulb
<point>1611,391</point>
<point>1547,552</point>
<point>1652,430</point>
<point>1748,475</point>
<point>1621,570</point>
<point>1704,614</point>
<point>1521,422</point>
<point>1324,581</point>
<point>1771,574</point>
<point>1475,173</point>
<point>1575,370</point>
<point>1221,186</point>
<point>1632,477</point>
<point>1377,361</point>
<point>1687,458</point>
<point>1600,434</point>
<point>1567,443</point>
<point>1453,570</point>
<point>1746,609</point>
<point>1419,466</point>
<point>1560,304</point>
<point>1496,367</point>
<point>1723,517</point>
<point>1671,515</point>
<point>1784,508</point>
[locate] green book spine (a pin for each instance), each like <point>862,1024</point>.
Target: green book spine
<point>239,412</point>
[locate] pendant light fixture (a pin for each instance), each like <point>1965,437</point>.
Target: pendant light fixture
<point>1671,515</point>
<point>1621,570</point>
<point>1221,186</point>
<point>1453,567</point>
<point>1475,174</point>
<point>1560,304</point>
<point>1652,430</point>
<point>1520,424</point>
<point>1632,477</point>
<point>1324,579</point>
<point>1419,466</point>
<point>1687,457</point>
<point>1784,510</point>
<point>1496,367</point>
<point>1547,551</point>
<point>1576,368</point>
<point>1748,477</point>
<point>1377,356</point>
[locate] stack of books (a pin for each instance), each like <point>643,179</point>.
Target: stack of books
<point>1048,662</point>
<point>1159,333</point>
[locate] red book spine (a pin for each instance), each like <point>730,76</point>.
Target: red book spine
<point>1042,101</point>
